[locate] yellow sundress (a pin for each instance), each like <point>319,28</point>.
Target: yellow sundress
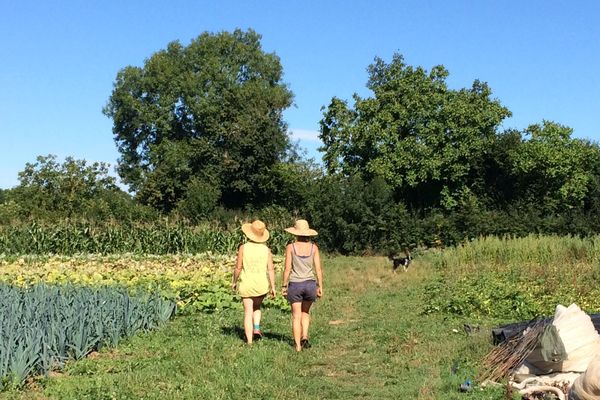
<point>253,278</point>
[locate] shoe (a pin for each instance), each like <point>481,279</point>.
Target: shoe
<point>257,334</point>
<point>305,343</point>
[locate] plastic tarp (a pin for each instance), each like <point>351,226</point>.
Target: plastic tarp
<point>581,343</point>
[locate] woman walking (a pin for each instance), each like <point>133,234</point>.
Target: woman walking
<point>302,279</point>
<point>255,272</point>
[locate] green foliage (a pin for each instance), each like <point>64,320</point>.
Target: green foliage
<point>203,145</point>
<point>515,279</point>
<point>291,182</point>
<point>211,110</point>
<point>43,326</point>
<point>369,341</point>
<point>200,199</point>
<point>552,167</point>
<point>414,131</point>
<point>489,295</point>
<point>61,188</point>
<point>354,216</point>
<point>158,238</point>
<point>10,211</point>
<point>439,152</point>
<point>50,191</point>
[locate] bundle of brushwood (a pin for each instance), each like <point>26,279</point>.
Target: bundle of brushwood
<point>509,354</point>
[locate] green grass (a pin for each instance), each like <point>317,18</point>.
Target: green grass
<point>370,341</point>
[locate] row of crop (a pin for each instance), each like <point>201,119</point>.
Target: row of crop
<point>159,238</point>
<point>198,282</point>
<point>42,326</point>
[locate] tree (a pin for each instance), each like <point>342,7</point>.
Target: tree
<point>75,189</point>
<point>47,187</point>
<point>416,133</point>
<point>207,115</point>
<point>500,188</point>
<point>553,169</point>
<point>356,216</point>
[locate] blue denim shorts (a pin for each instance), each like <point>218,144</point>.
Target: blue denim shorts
<point>302,291</point>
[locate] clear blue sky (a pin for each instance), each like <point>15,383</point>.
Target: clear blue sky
<point>60,59</point>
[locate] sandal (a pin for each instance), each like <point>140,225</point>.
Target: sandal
<point>257,334</point>
<point>305,343</point>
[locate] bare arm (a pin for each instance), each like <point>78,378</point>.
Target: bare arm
<point>319,272</point>
<point>287,270</point>
<point>238,267</point>
<point>271,270</point>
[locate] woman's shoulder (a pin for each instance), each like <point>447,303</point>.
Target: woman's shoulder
<point>315,248</point>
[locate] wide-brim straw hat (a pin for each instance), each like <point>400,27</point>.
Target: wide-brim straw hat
<point>301,228</point>
<point>256,231</point>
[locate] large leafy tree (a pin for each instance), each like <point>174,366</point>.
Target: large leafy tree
<point>202,117</point>
<point>416,133</point>
<point>552,169</point>
<point>74,189</point>
<point>50,189</point>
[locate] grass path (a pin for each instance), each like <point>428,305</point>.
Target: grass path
<point>369,339</point>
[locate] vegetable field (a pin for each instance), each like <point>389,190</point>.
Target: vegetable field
<point>375,334</point>
<point>198,282</point>
<point>55,308</point>
<point>42,326</point>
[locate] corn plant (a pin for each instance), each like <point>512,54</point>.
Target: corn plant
<point>157,238</point>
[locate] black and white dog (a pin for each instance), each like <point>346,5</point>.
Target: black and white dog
<point>398,261</point>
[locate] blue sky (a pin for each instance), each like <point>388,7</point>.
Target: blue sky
<point>60,59</point>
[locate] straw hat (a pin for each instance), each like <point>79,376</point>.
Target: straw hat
<point>256,231</point>
<point>301,228</point>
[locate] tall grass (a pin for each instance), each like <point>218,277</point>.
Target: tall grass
<point>517,278</point>
<point>530,250</point>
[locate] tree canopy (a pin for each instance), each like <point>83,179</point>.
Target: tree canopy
<point>202,117</point>
<point>413,131</point>
<point>66,189</point>
<point>553,168</point>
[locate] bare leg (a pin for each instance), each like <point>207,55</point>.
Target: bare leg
<point>256,312</point>
<point>248,314</point>
<point>305,318</point>
<point>256,316</point>
<point>297,324</point>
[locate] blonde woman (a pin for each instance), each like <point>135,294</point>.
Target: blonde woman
<point>256,275</point>
<point>302,279</point>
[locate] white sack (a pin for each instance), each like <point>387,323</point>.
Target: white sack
<point>587,386</point>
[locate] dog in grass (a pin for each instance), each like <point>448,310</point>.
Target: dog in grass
<point>398,261</point>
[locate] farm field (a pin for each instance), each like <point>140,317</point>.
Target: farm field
<point>375,334</point>
<point>369,341</point>
<point>147,145</point>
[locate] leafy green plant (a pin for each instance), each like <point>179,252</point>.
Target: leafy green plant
<point>42,326</point>
<point>514,279</point>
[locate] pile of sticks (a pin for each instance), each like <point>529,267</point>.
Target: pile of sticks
<point>511,353</point>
